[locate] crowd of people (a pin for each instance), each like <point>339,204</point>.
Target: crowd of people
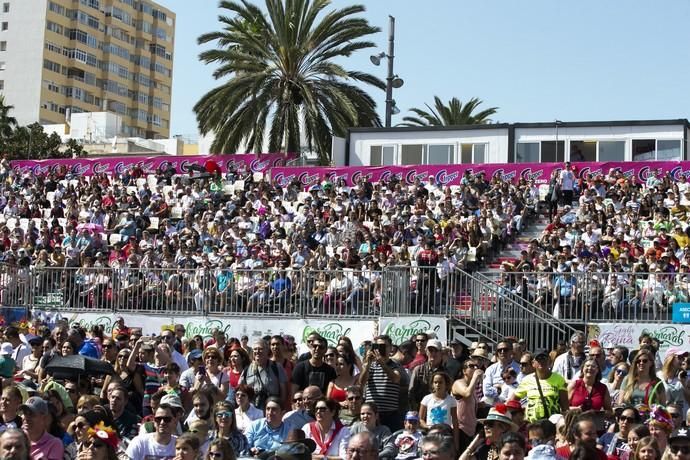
<point>175,396</point>
<point>615,248</point>
<point>233,242</point>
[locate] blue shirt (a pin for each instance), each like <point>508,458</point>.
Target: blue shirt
<point>263,437</point>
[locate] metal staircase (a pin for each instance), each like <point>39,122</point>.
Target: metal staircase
<point>486,312</point>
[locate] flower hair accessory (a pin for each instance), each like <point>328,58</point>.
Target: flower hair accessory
<point>106,434</point>
<point>660,416</point>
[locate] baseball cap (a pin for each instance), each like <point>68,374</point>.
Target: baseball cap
<point>680,433</point>
<point>434,343</point>
<point>35,405</point>
<point>171,400</point>
<point>412,416</point>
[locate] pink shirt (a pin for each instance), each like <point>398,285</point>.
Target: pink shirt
<point>47,448</point>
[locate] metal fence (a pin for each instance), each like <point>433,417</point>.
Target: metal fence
<point>584,297</point>
<point>482,307</point>
<point>342,293</point>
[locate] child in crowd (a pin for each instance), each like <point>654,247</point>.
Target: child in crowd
<point>403,444</point>
<point>439,406</point>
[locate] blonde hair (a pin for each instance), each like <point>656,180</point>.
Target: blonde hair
<point>633,376</point>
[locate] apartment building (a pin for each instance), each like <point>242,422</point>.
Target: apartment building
<point>70,56</point>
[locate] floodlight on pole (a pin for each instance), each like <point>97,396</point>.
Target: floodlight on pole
<point>376,58</point>
<point>392,80</point>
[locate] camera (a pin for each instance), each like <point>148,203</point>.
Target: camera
<point>381,348</point>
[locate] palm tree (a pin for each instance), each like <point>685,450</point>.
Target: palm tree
<point>282,76</point>
<point>453,114</point>
<point>7,123</point>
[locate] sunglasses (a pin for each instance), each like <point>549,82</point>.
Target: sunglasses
<point>296,400</point>
<point>354,398</point>
<point>320,409</point>
<point>641,361</point>
<point>109,346</point>
<point>685,450</point>
<point>420,340</point>
<point>503,350</point>
<point>80,426</point>
<point>490,424</point>
<point>319,347</point>
<point>525,364</point>
<point>215,454</point>
<point>166,419</point>
<point>623,418</point>
<point>224,414</point>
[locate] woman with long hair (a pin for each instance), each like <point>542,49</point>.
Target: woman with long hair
<point>239,359</point>
<point>641,386</point>
<point>615,379</point>
<point>676,391</point>
<point>225,427</point>
<point>220,449</point>
<point>327,431</point>
<point>132,381</point>
<point>344,378</point>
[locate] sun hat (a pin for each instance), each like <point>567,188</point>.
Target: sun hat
<point>499,413</point>
<point>480,353</point>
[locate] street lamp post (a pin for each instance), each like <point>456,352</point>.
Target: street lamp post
<point>392,80</point>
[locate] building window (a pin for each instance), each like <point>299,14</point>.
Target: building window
<point>472,153</point>
<point>643,149</point>
<point>611,150</point>
<point>381,155</point>
<point>6,7</point>
<point>583,151</point>
<point>552,153</point>
<point>3,65</point>
<point>5,25</point>
<point>2,85</point>
<point>667,150</point>
<point>527,152</point>
<point>411,154</point>
<point>440,154</point>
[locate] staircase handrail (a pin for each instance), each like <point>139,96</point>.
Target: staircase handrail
<point>531,305</point>
<point>540,316</point>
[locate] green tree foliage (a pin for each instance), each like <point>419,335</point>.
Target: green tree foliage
<point>281,77</point>
<point>454,114</point>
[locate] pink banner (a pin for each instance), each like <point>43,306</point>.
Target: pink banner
<point>452,174</point>
<point>116,165</point>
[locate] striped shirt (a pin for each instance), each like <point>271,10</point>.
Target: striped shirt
<point>382,390</point>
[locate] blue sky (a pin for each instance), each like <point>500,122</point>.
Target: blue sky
<point>536,60</point>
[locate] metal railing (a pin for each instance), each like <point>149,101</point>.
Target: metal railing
<point>488,309</point>
<point>584,297</point>
<point>494,313</point>
<point>342,293</point>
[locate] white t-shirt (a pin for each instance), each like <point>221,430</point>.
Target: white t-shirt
<point>145,447</point>
<point>438,410</point>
